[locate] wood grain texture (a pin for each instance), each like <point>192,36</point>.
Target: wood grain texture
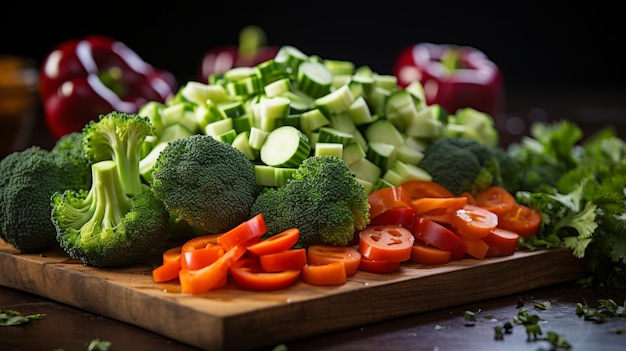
<point>232,318</point>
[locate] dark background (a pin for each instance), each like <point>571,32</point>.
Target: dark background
<point>536,44</point>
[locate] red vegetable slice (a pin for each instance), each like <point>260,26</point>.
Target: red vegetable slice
<point>386,243</point>
<point>439,236</point>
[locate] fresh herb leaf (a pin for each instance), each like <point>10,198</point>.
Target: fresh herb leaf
<point>11,318</point>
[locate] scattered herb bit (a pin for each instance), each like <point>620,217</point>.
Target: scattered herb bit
<point>530,322</point>
<point>99,345</point>
<point>557,341</point>
<point>440,327</point>
<point>607,308</point>
<point>541,305</point>
<point>280,347</point>
<point>470,318</point>
<point>11,318</point>
<point>499,332</point>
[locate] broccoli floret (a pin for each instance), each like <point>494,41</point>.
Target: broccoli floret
<point>28,178</point>
<point>461,164</point>
<point>169,133</point>
<point>105,227</point>
<point>323,199</point>
<point>205,182</point>
<point>119,137</point>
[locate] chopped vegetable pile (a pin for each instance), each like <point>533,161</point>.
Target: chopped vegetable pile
<point>311,169</point>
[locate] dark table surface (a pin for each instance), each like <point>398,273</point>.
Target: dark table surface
<point>447,329</point>
<point>70,329</point>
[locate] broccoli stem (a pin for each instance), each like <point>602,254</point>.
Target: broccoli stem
<point>127,154</point>
<point>109,203</point>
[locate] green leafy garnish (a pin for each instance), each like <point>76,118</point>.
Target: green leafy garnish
<point>583,206</point>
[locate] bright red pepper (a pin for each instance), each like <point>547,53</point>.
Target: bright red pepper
<point>251,51</point>
<point>453,76</point>
<point>81,79</point>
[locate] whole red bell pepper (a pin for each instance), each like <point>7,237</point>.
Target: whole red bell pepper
<point>252,50</point>
<point>453,76</point>
<point>80,79</point>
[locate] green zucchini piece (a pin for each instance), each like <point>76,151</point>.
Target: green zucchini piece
<point>331,149</point>
<point>384,131</point>
<point>314,79</point>
<point>285,146</point>
<point>381,154</point>
<point>333,135</point>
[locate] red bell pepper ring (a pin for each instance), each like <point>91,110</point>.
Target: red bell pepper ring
<point>81,79</point>
<point>452,76</point>
<point>252,50</point>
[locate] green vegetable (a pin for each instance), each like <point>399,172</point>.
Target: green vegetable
<point>105,227</point>
<point>461,164</point>
<point>539,160</point>
<point>205,182</point>
<point>117,220</point>
<point>27,180</point>
<point>584,209</point>
<point>11,317</point>
<point>119,137</point>
<point>323,199</point>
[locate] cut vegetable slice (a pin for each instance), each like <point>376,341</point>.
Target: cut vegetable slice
<point>386,243</point>
<point>324,254</point>
<point>328,274</point>
<point>285,146</point>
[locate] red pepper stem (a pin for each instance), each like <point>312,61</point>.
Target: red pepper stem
<point>251,38</point>
<point>112,79</point>
<point>451,59</point>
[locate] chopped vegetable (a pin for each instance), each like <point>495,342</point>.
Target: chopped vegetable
<point>118,219</point>
<point>249,274</point>
<point>388,198</point>
<point>379,266</point>
<point>284,240</point>
<point>333,273</point>
<point>27,180</point>
<point>424,253</point>
<point>324,254</point>
<point>170,267</point>
<point>495,199</point>
<point>460,164</point>
<point>205,182</point>
<point>386,243</point>
<point>286,260</point>
<point>439,236</point>
<point>474,221</point>
<point>521,219</point>
<point>501,242</point>
<point>323,200</point>
<point>104,227</point>
<point>404,216</point>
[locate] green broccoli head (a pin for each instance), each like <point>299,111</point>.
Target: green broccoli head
<point>104,227</point>
<point>461,164</point>
<point>119,137</point>
<point>205,182</point>
<point>323,199</point>
<point>28,178</point>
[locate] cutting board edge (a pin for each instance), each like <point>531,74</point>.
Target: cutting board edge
<point>226,332</point>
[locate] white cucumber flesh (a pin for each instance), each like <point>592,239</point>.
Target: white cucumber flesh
<point>285,146</point>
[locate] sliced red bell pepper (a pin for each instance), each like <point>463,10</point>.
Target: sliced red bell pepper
<point>81,79</point>
<point>453,76</point>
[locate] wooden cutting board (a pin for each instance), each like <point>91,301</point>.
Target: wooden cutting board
<point>232,318</point>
